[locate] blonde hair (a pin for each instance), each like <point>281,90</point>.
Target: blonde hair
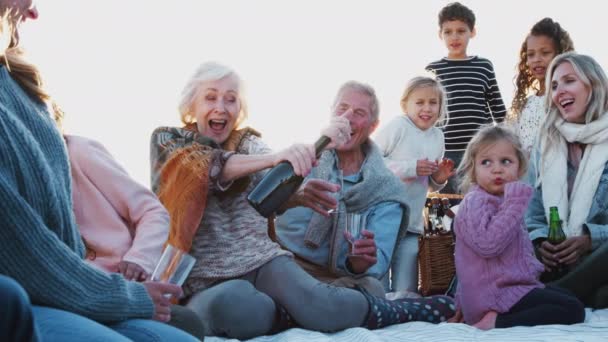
<point>592,76</point>
<point>423,82</point>
<point>486,136</point>
<point>362,88</point>
<point>12,57</point>
<point>206,72</point>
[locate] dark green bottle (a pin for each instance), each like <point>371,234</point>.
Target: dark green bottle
<point>279,184</point>
<point>556,236</point>
<point>556,233</point>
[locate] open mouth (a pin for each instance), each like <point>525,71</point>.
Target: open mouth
<point>350,138</point>
<point>566,103</point>
<point>217,125</point>
<point>539,70</point>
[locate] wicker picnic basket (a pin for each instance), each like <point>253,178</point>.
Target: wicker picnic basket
<point>436,255</point>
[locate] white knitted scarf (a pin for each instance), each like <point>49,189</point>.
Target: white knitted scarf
<point>554,170</point>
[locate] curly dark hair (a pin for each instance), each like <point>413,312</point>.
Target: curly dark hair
<point>457,11</point>
<point>525,83</point>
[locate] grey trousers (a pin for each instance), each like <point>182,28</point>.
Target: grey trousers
<point>372,285</point>
<point>245,307</point>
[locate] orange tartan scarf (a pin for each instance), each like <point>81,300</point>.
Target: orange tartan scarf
<point>184,184</point>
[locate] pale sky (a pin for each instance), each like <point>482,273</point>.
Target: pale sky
<point>117,67</point>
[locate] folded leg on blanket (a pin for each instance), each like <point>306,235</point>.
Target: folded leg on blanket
<point>383,312</point>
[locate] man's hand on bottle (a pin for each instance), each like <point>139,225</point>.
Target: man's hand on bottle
<point>572,249</point>
<point>338,131</point>
<point>547,252</point>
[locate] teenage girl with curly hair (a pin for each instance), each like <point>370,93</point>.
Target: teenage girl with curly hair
<point>546,40</point>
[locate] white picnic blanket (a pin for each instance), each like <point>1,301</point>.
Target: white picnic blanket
<point>595,328</point>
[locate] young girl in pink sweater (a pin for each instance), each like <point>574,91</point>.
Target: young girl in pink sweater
<point>498,275</point>
<point>123,224</point>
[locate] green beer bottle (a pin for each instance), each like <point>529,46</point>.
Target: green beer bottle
<point>556,236</point>
<point>556,233</point>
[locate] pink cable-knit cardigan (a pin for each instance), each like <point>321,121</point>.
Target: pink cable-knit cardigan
<point>118,217</point>
<point>495,261</point>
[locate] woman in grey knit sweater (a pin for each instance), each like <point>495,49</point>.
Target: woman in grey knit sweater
<point>41,246</point>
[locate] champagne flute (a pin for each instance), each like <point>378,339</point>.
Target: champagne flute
<point>174,266</point>
<point>355,223</point>
<point>339,194</point>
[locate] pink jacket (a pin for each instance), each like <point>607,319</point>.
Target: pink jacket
<point>119,218</point>
<point>495,261</point>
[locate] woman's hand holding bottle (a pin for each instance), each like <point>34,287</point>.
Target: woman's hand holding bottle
<point>568,252</point>
<point>300,156</point>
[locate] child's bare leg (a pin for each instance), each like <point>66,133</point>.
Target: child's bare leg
<point>487,322</point>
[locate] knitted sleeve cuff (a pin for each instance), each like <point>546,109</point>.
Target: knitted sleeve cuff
<point>349,270</point>
<point>539,233</point>
<point>436,186</point>
<point>519,190</point>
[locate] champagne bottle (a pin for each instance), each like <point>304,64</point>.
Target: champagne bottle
<point>435,215</point>
<point>427,212</point>
<point>555,237</point>
<point>447,211</point>
<point>279,184</point>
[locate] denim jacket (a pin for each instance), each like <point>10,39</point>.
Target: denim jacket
<point>597,219</point>
<point>383,219</point>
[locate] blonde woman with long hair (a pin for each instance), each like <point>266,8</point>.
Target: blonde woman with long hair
<point>569,169</point>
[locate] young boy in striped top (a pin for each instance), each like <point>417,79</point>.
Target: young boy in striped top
<point>469,81</point>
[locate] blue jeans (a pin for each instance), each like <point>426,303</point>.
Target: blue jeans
<point>16,321</point>
<point>59,325</point>
<point>404,268</point>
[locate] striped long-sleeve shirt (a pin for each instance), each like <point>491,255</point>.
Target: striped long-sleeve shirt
<point>473,98</point>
